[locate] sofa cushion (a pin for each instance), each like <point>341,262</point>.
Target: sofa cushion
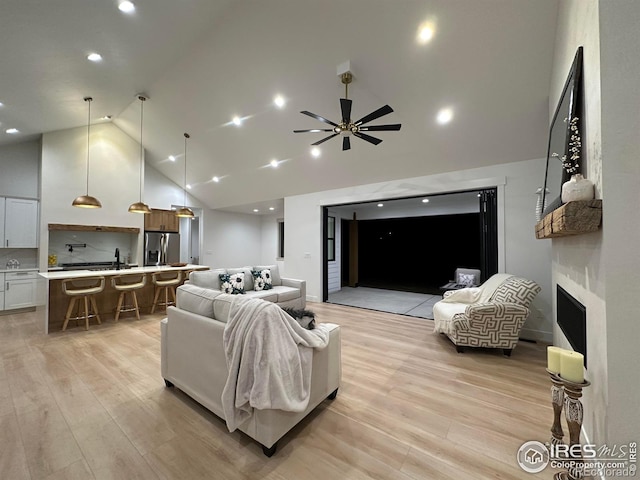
<point>266,295</point>
<point>248,277</point>
<point>196,299</point>
<point>275,274</point>
<point>262,279</point>
<point>468,279</point>
<point>286,293</point>
<point>208,278</point>
<point>232,283</point>
<point>516,290</point>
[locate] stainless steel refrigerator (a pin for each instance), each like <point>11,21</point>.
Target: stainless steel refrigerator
<point>161,248</point>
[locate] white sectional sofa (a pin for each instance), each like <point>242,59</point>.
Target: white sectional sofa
<point>193,359</point>
<point>286,292</point>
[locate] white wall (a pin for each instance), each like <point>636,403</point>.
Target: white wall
<point>601,269</point>
<point>20,168</point>
<point>231,239</point>
<point>334,268</point>
<point>519,252</point>
<point>114,179</point>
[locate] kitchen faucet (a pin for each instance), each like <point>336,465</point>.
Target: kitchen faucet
<point>117,259</point>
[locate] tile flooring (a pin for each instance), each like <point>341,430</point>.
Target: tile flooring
<point>404,303</point>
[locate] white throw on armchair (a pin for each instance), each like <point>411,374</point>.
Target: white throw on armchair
<point>491,315</point>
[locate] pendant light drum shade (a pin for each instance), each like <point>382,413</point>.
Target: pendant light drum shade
<point>87,201</point>
<point>140,207</point>
<point>185,212</point>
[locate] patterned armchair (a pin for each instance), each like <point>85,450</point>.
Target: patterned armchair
<point>491,315</point>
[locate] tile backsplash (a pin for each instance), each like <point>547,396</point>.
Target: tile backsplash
<point>100,246</point>
<point>27,257</point>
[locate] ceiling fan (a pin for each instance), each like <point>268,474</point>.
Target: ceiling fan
<point>346,127</point>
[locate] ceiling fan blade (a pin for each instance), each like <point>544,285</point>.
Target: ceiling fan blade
<point>346,143</point>
<point>345,107</point>
<point>314,130</point>
<point>318,117</point>
<point>380,128</point>
<point>373,115</point>
<point>325,139</point>
<point>368,138</point>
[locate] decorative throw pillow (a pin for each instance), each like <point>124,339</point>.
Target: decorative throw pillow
<point>306,318</point>
<point>466,279</point>
<point>233,284</point>
<point>262,279</point>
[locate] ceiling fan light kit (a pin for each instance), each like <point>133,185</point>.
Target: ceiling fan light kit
<point>347,127</point>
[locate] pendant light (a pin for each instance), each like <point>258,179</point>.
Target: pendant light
<point>184,211</point>
<point>87,201</point>
<point>140,207</point>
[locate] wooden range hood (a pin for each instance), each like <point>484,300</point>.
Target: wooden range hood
<point>92,228</point>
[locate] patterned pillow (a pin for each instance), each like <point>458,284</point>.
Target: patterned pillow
<point>262,279</point>
<point>233,284</point>
<point>466,279</point>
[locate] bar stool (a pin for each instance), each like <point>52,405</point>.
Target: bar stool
<point>84,288</point>
<point>166,281</point>
<point>128,283</point>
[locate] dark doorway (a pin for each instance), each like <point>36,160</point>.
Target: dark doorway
<point>417,254</point>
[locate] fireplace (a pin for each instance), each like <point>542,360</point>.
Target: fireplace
<point>572,319</point>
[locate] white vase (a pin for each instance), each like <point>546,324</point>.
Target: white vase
<point>577,188</point>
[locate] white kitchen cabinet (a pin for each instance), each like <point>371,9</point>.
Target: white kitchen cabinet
<point>20,223</point>
<point>2,202</point>
<point>19,290</point>
<point>1,291</point>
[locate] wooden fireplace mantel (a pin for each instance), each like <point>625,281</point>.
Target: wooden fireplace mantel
<point>572,218</point>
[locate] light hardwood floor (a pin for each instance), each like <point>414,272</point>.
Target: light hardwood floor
<point>92,405</point>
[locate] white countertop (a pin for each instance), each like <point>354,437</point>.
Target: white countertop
<point>105,273</point>
<point>18,270</point>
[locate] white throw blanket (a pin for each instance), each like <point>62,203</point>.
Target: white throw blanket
<point>269,357</point>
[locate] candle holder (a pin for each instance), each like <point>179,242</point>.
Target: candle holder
<point>557,400</point>
<point>574,415</point>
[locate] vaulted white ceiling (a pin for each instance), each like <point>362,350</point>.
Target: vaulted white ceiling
<point>202,62</point>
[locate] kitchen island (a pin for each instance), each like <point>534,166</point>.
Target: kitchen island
<point>57,302</point>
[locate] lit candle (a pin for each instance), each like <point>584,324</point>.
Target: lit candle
<point>553,359</point>
<point>571,366</point>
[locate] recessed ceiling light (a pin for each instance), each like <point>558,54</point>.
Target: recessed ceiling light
<point>94,57</point>
<point>188,187</point>
<point>106,117</point>
<point>425,32</point>
<point>12,131</point>
<point>381,204</point>
<point>1,104</point>
<point>127,7</point>
<point>271,208</point>
<point>444,116</point>
<point>273,163</point>
<point>279,101</point>
<point>215,179</point>
<point>256,210</point>
<point>237,121</point>
<point>315,152</point>
<point>172,158</point>
<point>425,200</point>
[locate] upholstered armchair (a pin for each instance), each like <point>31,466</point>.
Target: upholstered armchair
<point>491,315</point>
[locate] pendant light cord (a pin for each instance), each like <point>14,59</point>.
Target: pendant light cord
<point>142,99</point>
<point>88,99</point>
<point>186,136</point>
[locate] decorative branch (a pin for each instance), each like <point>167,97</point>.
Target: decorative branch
<point>571,164</point>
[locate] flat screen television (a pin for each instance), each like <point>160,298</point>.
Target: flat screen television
<point>570,108</point>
